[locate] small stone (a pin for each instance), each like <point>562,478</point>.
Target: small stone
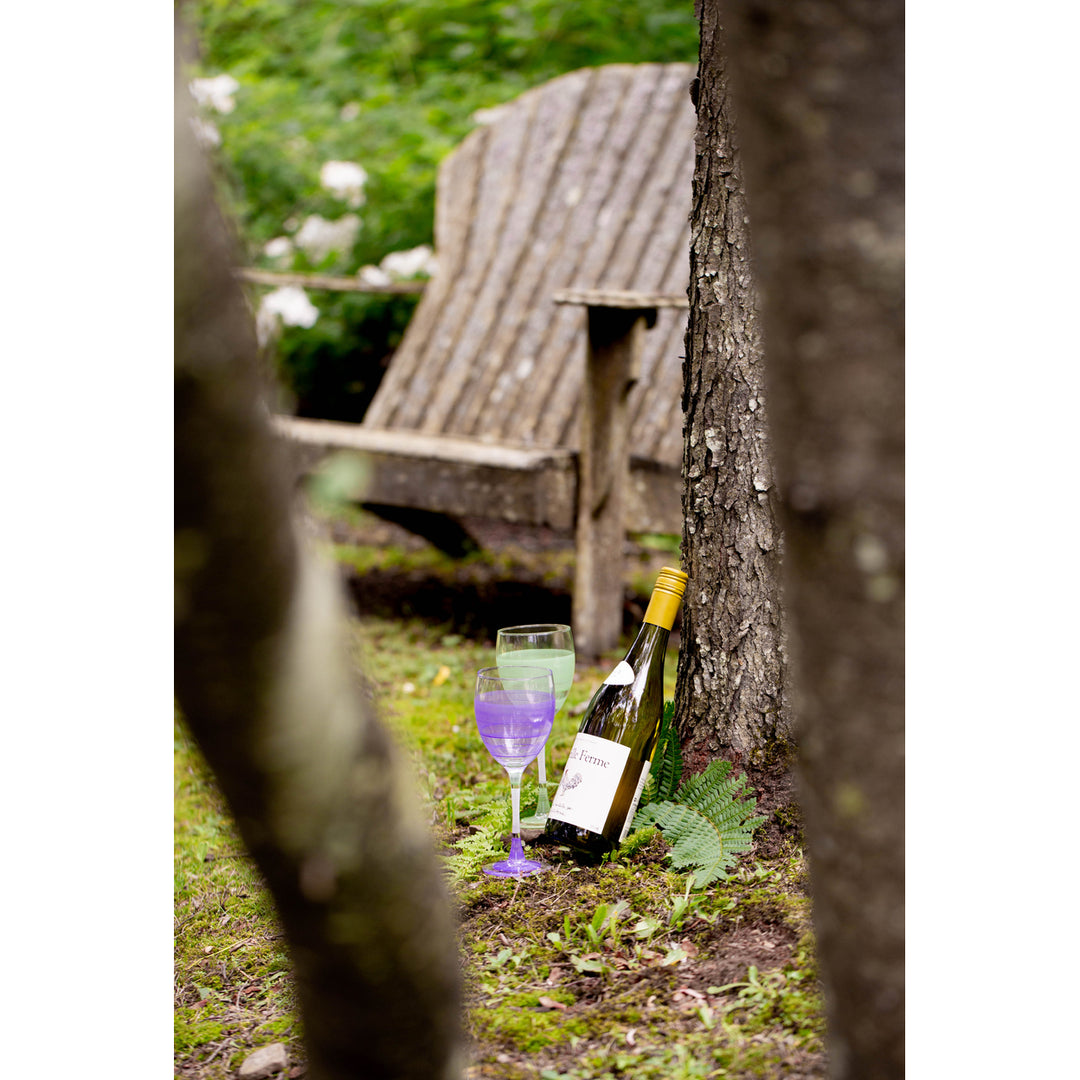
<point>264,1062</point>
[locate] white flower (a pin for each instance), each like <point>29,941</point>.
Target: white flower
<point>318,237</point>
<point>372,275</point>
<point>278,248</point>
<point>288,304</point>
<point>407,264</point>
<point>345,179</point>
<point>206,135</point>
<point>217,92</point>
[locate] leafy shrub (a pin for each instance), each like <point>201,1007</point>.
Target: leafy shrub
<point>392,87</point>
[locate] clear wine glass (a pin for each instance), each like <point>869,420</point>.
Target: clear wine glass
<point>515,707</point>
<point>549,645</point>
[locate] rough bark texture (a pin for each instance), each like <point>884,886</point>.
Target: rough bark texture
<point>319,794</point>
<point>730,698</point>
<point>819,89</point>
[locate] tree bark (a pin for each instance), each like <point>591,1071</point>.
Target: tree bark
<point>730,698</point>
<point>319,793</point>
<point>819,87</point>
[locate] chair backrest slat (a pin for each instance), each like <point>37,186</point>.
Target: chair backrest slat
<point>582,182</point>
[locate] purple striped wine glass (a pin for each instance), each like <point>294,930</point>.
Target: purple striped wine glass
<point>515,708</point>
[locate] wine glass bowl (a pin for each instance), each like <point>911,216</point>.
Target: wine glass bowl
<point>514,706</point>
<point>549,645</point>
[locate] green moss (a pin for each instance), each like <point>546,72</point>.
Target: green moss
<point>527,1029</point>
<point>277,1027</point>
<point>189,1031</point>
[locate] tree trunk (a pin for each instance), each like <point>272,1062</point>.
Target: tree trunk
<point>819,87</point>
<point>730,698</point>
<point>320,796</point>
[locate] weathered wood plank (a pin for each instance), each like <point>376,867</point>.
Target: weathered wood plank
<point>482,351</point>
<point>624,202</point>
<point>473,479</point>
<point>649,415</point>
<point>440,365</point>
<point>619,298</point>
<point>557,236</point>
<point>662,267</point>
<point>655,404</point>
<point>460,477</point>
<point>523,381</point>
<point>455,210</point>
<point>512,371</point>
<point>480,292</point>
<point>552,339</point>
<point>326,282</point>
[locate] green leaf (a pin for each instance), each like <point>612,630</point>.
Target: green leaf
<point>583,965</point>
<point>599,918</point>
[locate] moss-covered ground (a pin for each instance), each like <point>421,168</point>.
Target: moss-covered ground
<point>617,970</point>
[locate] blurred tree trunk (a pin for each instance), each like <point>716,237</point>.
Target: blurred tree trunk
<point>320,796</point>
<point>819,90</point>
<point>730,699</point>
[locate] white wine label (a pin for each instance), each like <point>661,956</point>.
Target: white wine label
<point>634,802</point>
<point>589,781</point>
<point>623,675</point>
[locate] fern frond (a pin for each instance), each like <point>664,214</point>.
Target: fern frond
<point>718,794</point>
<point>695,842</point>
<point>648,791</point>
<point>709,824</point>
<point>473,851</point>
<point>667,758</point>
<point>485,843</point>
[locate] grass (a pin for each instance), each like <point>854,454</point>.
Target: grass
<point>232,989</point>
<point>584,972</point>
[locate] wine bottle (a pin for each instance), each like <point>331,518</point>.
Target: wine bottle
<point>609,762</point>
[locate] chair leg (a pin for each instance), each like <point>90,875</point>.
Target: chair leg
<point>615,337</point>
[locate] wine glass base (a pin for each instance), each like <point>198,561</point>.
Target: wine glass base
<point>536,821</point>
<point>515,868</point>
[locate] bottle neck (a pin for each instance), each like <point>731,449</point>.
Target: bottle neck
<point>650,637</point>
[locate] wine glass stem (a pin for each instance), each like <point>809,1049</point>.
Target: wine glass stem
<point>515,800</point>
<point>541,767</point>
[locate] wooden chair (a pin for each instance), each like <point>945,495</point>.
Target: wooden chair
<point>526,387</point>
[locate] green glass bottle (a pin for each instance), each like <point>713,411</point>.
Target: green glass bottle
<point>609,762</point>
